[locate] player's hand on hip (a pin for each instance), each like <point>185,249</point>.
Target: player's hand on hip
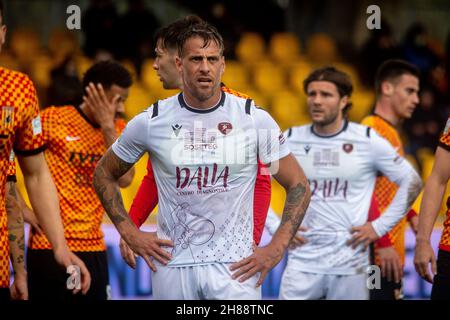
<point>298,240</point>
<point>67,258</point>
<point>391,266</point>
<point>127,254</point>
<point>103,110</point>
<point>19,288</point>
<point>148,245</point>
<point>364,235</point>
<point>262,260</point>
<point>423,256</point>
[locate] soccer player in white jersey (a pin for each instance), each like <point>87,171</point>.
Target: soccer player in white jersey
<point>341,160</point>
<point>204,145</point>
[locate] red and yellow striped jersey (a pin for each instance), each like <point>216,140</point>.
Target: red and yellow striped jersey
<point>385,190</point>
<point>74,146</point>
<point>444,142</point>
<point>20,130</point>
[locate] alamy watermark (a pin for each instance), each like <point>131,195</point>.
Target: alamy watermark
<point>74,280</point>
<point>374,20</point>
<point>73,21</point>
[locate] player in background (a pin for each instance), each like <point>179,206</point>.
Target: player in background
<point>429,210</point>
<point>21,131</point>
<point>205,218</point>
<point>397,88</point>
<point>341,160</point>
<point>146,198</point>
<point>76,137</point>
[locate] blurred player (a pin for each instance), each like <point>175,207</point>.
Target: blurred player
<point>205,198</point>
<point>76,137</point>
<point>341,160</point>
<point>147,196</point>
<point>21,131</point>
<point>429,210</point>
<point>397,87</point>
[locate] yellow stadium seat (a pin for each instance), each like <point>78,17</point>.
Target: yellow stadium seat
<point>284,48</point>
<point>251,48</point>
<point>299,72</point>
<point>321,49</point>
<point>83,64</point>
<point>40,70</point>
<point>149,76</point>
<point>278,197</point>
<point>62,44</point>
<point>289,109</point>
<point>25,45</point>
<point>362,101</point>
<point>139,99</point>
<point>235,76</point>
<point>269,78</point>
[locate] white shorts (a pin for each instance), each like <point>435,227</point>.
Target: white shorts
<point>210,282</point>
<point>298,285</point>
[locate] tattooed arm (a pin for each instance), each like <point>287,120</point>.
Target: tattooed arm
<point>106,183</point>
<point>291,177</point>
<point>19,289</point>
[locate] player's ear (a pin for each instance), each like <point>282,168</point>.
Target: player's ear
<point>343,102</point>
<point>222,68</point>
<point>178,63</point>
<point>387,88</point>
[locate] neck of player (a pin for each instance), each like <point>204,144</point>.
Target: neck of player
<point>386,111</point>
<point>329,129</point>
<point>199,103</point>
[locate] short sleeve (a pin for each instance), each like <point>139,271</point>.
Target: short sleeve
<point>272,144</point>
<point>387,160</point>
<point>29,137</point>
<point>131,144</point>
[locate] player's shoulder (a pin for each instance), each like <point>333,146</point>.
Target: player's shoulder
<point>11,76</point>
<point>358,130</point>
<point>234,92</point>
<point>298,132</point>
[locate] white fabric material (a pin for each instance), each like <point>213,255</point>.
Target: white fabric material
<point>205,165</point>
<point>298,285</point>
<point>202,282</point>
<point>341,170</point>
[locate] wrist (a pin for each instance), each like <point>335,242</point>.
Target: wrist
<point>108,127</point>
<point>422,240</point>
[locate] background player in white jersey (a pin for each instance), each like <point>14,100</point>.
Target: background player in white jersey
<point>341,160</point>
<point>204,145</point>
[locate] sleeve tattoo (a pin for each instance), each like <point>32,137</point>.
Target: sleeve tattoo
<point>297,202</point>
<point>107,173</point>
<point>15,227</point>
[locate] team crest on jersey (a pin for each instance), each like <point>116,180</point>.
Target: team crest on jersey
<point>347,147</point>
<point>7,117</point>
<point>225,127</point>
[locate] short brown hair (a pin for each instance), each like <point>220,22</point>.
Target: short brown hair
<point>393,69</point>
<point>340,79</point>
<point>169,34</point>
<point>203,30</point>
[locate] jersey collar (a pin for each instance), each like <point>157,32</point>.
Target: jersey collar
<point>183,104</point>
<point>344,127</point>
<point>85,117</point>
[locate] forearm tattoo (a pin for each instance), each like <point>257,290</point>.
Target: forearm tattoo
<point>297,202</point>
<point>107,173</point>
<point>15,226</point>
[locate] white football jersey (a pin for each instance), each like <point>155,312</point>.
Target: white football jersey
<point>205,164</point>
<point>341,170</point>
